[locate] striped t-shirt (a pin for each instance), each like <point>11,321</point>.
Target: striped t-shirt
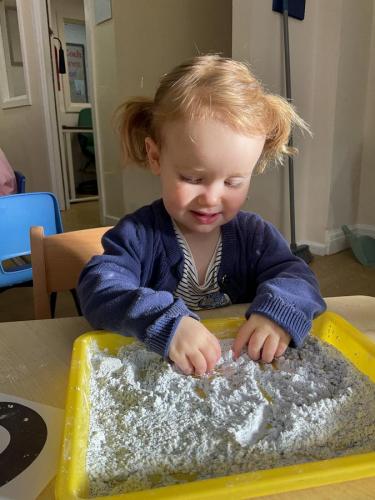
<point>196,296</point>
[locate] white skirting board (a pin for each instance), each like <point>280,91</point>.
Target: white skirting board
<point>335,240</point>
<point>110,220</point>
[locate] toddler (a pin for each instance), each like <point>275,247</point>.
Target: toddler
<point>209,127</point>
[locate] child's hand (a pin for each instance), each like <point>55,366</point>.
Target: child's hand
<point>193,348</point>
<point>266,340</point>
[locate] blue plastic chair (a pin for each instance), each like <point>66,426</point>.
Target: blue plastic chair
<point>18,213</point>
<point>21,181</point>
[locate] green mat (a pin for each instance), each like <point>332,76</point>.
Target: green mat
<point>363,247</point>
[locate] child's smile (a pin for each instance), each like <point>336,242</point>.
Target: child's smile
<point>205,218</point>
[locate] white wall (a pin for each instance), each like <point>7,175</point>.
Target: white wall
<point>22,130</point>
<point>351,102</point>
<point>106,81</point>
<point>366,205</point>
<point>330,57</point>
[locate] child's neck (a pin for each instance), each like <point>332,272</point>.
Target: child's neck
<point>202,247</point>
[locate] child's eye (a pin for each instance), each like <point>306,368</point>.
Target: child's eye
<point>190,180</point>
<point>233,182</point>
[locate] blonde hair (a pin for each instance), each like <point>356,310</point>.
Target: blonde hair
<point>209,86</point>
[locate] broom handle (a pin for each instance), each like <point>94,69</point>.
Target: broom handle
<point>293,243</point>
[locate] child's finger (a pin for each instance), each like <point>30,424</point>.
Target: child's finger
<point>216,347</point>
<point>211,358</point>
<point>243,335</point>
<point>256,342</point>
<point>198,362</point>
<point>281,349</point>
<point>185,366</point>
<point>269,348</point>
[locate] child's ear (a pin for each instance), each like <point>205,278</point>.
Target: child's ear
<point>153,155</point>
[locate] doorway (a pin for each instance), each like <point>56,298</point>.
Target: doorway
<point>73,100</point>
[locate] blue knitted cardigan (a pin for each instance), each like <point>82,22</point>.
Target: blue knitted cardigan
<point>129,289</point>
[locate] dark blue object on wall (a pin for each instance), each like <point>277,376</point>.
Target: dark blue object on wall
<point>296,8</point>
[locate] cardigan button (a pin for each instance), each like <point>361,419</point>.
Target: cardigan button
<point>225,279</point>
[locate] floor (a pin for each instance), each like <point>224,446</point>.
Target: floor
<point>81,216</point>
<point>338,274</point>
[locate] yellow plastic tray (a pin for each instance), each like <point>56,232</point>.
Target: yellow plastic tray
<point>72,482</point>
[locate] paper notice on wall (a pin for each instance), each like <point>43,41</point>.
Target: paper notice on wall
<point>30,439</point>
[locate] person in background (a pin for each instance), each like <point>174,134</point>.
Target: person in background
<point>210,126</point>
<point>8,183</point>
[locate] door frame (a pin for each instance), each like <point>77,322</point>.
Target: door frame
<point>89,10</point>
<point>56,154</point>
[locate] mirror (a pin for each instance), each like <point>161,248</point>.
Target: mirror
<point>13,83</point>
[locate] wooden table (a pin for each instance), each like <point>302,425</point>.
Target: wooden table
<point>35,360</point>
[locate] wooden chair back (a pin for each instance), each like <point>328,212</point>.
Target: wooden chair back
<point>57,261</point>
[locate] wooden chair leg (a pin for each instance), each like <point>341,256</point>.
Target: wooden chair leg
<point>52,303</point>
<point>76,301</point>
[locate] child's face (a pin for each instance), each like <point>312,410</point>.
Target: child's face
<point>205,169</point>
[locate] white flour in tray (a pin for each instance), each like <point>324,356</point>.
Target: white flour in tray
<point>151,426</point>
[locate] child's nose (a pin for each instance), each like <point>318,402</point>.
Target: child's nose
<point>210,195</point>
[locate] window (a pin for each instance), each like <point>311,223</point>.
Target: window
<point>13,81</point>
